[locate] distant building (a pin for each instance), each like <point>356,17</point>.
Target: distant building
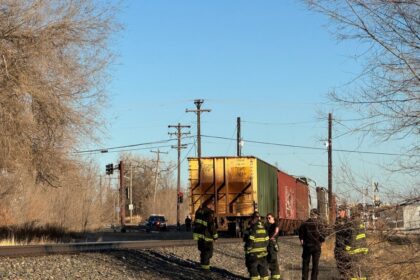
<point>403,216</point>
<point>411,213</point>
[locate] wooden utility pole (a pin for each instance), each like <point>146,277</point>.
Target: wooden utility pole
<point>158,152</point>
<point>198,111</point>
<point>122,195</point>
<point>180,146</point>
<point>238,136</point>
<point>331,210</point>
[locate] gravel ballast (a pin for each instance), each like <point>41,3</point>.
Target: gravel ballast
<point>165,263</point>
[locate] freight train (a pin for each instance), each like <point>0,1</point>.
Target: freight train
<point>241,185</point>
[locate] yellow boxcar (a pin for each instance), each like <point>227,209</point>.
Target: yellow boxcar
<point>238,185</point>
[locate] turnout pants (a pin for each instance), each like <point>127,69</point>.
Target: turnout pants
<point>344,263</point>
<point>206,252</point>
<point>273,265</point>
<point>257,266</point>
<point>309,252</point>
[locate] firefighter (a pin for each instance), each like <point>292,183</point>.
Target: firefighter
<point>205,233</point>
<point>343,237</point>
<point>256,242</point>
<point>272,228</point>
<point>311,235</point>
<point>357,250</point>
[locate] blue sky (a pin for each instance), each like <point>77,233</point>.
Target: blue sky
<point>269,62</point>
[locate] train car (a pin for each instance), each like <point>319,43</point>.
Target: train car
<point>238,185</point>
<point>293,202</point>
<point>241,185</point>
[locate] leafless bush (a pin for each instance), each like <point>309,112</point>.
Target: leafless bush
<point>53,61</point>
<point>53,56</point>
<point>386,94</point>
<point>143,172</point>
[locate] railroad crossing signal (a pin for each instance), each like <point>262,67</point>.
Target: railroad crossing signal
<point>109,168</point>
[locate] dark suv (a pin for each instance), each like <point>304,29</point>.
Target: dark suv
<point>156,223</point>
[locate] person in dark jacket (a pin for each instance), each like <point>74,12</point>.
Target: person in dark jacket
<point>272,227</point>
<point>188,223</point>
<point>205,232</point>
<point>256,242</point>
<point>343,229</point>
<point>311,235</point>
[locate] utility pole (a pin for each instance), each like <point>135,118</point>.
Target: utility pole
<point>198,111</point>
<point>180,146</point>
<point>331,211</point>
<point>130,193</point>
<point>158,152</point>
<point>238,137</point>
<point>122,196</point>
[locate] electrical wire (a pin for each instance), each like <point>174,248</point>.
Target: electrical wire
<point>306,147</point>
<point>105,150</point>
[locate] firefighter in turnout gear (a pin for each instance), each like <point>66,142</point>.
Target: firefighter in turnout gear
<point>205,233</point>
<point>357,249</point>
<point>343,237</point>
<point>256,242</point>
<point>272,227</point>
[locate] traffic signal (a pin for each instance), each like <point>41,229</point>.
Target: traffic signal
<point>180,197</point>
<point>109,169</point>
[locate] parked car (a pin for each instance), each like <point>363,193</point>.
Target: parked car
<point>156,223</point>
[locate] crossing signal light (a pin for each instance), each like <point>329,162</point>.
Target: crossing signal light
<point>180,197</point>
<point>109,168</point>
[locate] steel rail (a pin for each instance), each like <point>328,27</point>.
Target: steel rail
<point>74,248</point>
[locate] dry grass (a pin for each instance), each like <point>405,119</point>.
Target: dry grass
<point>395,258</point>
<point>30,233</point>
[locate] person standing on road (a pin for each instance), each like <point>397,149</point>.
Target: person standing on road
<point>343,237</point>
<point>311,235</point>
<point>205,233</point>
<point>272,228</point>
<point>188,223</point>
<point>256,242</point>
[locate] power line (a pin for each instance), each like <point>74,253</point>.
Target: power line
<point>306,147</point>
<point>129,150</point>
<point>105,150</point>
<point>287,124</point>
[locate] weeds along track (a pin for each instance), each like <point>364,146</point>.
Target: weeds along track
<point>74,248</point>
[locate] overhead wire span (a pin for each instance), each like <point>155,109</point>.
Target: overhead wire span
<point>106,149</point>
<point>306,147</point>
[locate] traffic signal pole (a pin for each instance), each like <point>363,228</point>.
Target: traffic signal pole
<point>122,195</point>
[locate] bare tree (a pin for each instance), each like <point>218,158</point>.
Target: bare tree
<point>53,57</point>
<point>387,93</point>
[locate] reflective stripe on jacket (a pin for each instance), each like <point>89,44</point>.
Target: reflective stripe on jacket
<point>358,245</point>
<point>256,240</point>
<point>204,227</point>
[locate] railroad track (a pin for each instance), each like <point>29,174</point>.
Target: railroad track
<point>74,248</point>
